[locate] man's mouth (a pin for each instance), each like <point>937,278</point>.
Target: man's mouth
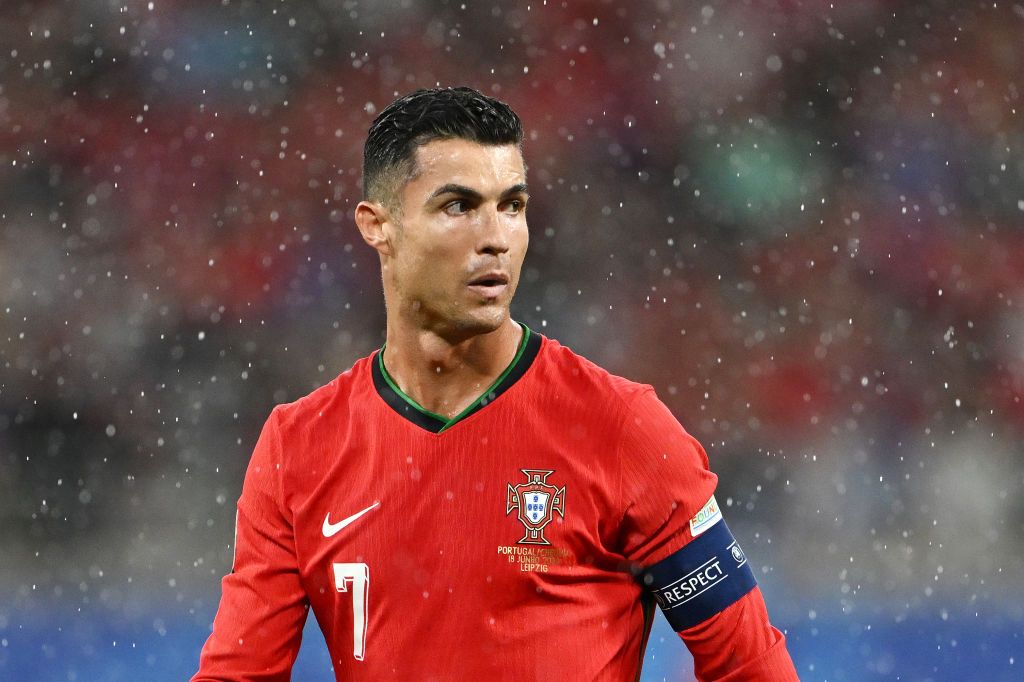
<point>490,284</point>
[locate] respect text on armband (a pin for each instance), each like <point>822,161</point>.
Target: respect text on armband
<point>691,585</point>
<point>700,579</point>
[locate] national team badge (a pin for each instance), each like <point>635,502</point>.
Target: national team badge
<point>536,502</point>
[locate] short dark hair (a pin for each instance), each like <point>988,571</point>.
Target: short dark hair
<point>424,116</point>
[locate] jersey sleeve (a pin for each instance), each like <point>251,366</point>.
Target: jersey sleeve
<point>258,626</point>
<point>684,554</point>
<point>666,480</point>
<point>740,644</point>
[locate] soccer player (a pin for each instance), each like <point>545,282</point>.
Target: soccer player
<point>474,501</point>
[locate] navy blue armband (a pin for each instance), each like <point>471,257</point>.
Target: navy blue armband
<point>701,579</point>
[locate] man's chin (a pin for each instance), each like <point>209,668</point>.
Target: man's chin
<point>480,321</point>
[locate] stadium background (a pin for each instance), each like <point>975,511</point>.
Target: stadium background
<point>800,221</point>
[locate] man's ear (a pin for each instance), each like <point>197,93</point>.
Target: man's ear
<point>371,218</point>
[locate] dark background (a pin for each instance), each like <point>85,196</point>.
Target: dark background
<point>802,222</point>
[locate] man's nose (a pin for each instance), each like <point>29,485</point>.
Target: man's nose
<point>494,238</point>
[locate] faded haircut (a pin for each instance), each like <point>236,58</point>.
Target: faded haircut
<point>424,116</point>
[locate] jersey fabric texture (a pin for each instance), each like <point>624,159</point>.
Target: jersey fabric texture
<point>503,544</point>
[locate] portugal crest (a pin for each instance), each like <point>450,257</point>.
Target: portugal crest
<point>536,502</point>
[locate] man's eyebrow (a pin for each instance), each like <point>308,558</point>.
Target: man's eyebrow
<point>521,188</point>
<point>460,190</point>
<point>469,193</point>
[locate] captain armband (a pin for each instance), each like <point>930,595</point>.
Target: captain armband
<point>704,577</point>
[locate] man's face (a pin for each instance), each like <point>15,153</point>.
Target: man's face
<point>459,243</point>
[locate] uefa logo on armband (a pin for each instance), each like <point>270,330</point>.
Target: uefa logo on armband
<point>737,554</point>
<point>536,502</point>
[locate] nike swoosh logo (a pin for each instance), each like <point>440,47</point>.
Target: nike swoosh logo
<point>332,528</point>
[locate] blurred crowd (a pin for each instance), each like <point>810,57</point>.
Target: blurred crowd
<point>801,222</point>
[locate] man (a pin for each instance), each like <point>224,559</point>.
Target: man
<point>475,501</point>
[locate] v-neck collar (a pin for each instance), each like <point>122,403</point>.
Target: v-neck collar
<point>408,408</point>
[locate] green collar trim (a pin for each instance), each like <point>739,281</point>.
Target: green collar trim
<point>395,397</point>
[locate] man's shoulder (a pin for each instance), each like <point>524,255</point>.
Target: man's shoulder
<point>337,395</point>
<point>569,367</point>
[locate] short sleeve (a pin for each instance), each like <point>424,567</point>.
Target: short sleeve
<point>665,481</point>
<point>258,626</point>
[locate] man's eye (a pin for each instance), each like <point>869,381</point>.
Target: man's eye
<point>516,206</point>
<point>457,207</point>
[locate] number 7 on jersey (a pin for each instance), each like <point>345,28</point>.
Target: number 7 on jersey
<point>357,578</point>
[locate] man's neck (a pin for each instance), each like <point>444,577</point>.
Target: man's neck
<point>444,377</point>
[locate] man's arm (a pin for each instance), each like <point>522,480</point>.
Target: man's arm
<point>258,627</point>
<point>739,643</point>
<point>691,564</point>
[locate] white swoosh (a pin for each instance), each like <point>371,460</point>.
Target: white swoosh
<point>332,528</point>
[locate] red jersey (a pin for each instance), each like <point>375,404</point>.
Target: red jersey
<point>530,537</point>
